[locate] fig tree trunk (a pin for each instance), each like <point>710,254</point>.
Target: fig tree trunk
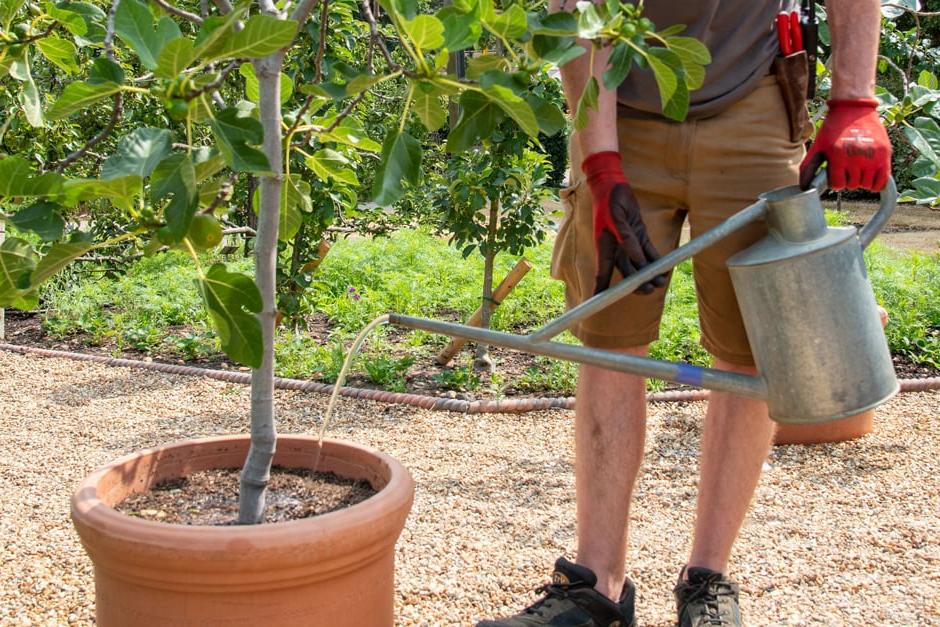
<point>257,468</point>
<point>483,360</point>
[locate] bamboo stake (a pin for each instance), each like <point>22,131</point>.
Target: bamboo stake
<point>502,290</point>
<point>322,249</point>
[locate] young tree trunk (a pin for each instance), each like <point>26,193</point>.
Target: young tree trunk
<point>251,219</point>
<point>483,360</point>
<point>257,469</point>
<point>297,249</point>
<point>296,263</point>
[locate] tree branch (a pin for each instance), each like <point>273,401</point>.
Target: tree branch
<point>907,9</point>
<point>224,193</point>
<point>45,33</point>
<point>374,35</point>
<point>321,50</point>
<point>109,30</point>
<point>268,8</point>
<point>116,113</point>
<point>374,41</point>
<point>233,228</point>
<point>905,78</point>
<point>216,83</point>
<point>240,230</point>
<point>303,11</point>
<point>345,113</point>
<point>910,58</point>
<point>300,115</point>
<point>178,12</point>
<point>224,6</point>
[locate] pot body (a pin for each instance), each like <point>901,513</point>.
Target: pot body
<point>835,431</point>
<point>336,569</point>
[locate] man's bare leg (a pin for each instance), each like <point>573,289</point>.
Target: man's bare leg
<point>610,429</point>
<point>735,443</point>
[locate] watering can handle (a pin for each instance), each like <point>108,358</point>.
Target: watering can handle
<point>889,200</point>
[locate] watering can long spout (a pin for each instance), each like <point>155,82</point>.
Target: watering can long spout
<point>792,215</point>
<point>686,374</point>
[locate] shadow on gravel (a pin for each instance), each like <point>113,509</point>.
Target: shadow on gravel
<point>121,383</point>
<point>845,463</point>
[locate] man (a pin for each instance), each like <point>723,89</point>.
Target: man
<point>642,177</point>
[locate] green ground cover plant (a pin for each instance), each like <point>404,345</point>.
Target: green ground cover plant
<point>417,273</point>
<point>908,286</point>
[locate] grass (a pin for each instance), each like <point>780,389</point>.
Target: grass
<point>908,286</point>
<point>137,310</point>
<point>155,308</point>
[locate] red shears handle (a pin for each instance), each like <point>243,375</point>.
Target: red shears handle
<point>796,32</point>
<point>783,34</point>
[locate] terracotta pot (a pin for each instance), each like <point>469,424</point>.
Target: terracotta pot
<point>336,569</point>
<point>835,431</point>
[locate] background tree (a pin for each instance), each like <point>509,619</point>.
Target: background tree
<point>491,199</point>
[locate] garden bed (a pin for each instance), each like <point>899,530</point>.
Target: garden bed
<point>153,313</point>
<point>537,374</point>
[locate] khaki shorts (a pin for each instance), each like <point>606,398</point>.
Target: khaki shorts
<point>703,170</point>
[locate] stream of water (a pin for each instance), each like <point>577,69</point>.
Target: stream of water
<point>341,379</point>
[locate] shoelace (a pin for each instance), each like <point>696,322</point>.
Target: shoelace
<point>709,599</point>
<point>550,592</point>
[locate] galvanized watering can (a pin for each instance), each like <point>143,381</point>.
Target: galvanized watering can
<point>807,305</point>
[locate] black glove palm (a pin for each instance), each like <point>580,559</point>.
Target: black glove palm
<point>621,240</point>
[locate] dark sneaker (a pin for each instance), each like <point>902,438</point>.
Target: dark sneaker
<point>571,601</point>
<point>707,598</point>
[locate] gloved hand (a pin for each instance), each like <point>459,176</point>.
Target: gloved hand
<point>620,237</point>
<point>855,144</point>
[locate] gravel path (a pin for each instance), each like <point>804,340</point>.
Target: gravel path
<point>844,534</point>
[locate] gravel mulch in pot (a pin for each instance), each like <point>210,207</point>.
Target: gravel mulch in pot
<point>839,534</point>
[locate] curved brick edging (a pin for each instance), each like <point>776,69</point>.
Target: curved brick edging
<point>516,405</point>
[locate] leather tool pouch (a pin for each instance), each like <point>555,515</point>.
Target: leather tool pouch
<point>792,76</point>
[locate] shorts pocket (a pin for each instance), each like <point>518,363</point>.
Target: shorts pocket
<point>564,253</point>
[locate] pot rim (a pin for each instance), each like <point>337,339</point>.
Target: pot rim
<point>87,507</point>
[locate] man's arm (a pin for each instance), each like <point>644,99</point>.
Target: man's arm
<point>852,139</point>
<point>855,26</point>
<point>600,134</point>
<point>620,238</point>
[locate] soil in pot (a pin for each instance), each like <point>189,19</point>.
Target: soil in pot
<point>210,497</point>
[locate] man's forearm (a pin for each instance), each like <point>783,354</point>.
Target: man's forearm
<point>600,134</point>
<point>855,26</point>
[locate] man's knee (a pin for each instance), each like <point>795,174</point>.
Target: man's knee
<point>721,364</point>
<point>613,385</point>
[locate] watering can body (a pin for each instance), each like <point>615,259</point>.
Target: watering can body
<point>807,305</point>
<point>811,316</point>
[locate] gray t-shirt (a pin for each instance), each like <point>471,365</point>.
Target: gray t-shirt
<point>740,34</point>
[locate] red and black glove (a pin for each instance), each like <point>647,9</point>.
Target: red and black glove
<point>854,143</point>
<point>620,237</point>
